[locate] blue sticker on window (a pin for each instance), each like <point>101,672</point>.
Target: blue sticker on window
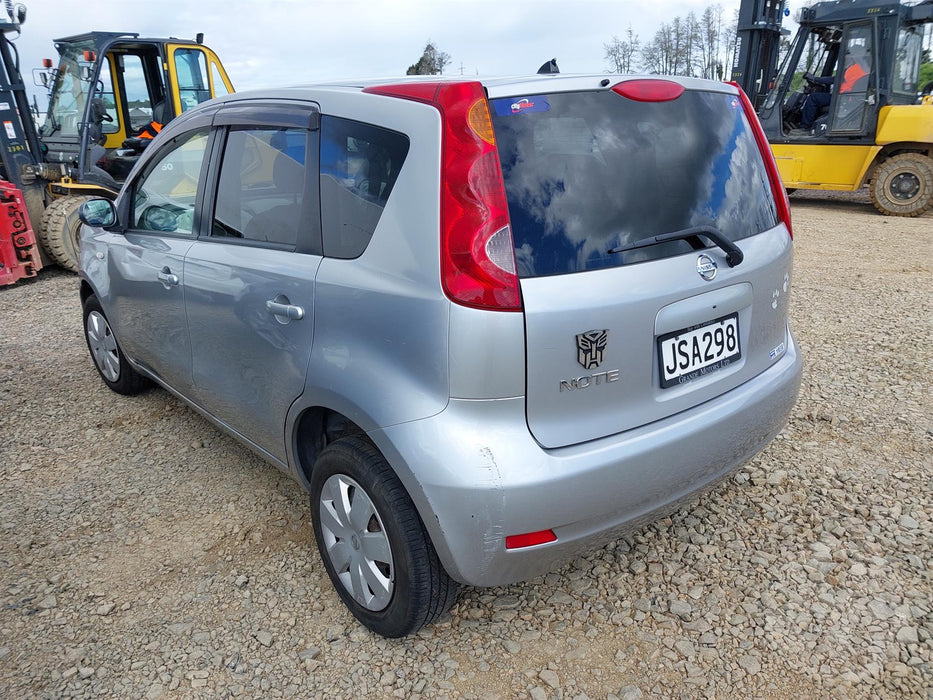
<point>518,105</point>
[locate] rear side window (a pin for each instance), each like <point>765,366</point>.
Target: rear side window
<point>590,171</point>
<point>359,166</point>
<point>262,186</point>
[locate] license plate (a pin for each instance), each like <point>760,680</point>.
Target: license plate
<point>696,351</point>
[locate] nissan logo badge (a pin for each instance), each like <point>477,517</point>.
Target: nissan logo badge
<point>706,267</point>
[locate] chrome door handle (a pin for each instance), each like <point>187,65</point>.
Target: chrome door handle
<point>288,311</point>
<point>167,278</point>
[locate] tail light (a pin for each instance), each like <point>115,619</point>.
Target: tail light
<point>777,185</point>
<point>649,90</point>
<point>477,251</point>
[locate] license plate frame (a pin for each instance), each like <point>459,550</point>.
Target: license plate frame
<point>700,340</point>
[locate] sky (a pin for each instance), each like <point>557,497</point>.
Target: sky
<point>287,42</point>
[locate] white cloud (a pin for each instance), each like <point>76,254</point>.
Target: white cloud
<point>282,42</point>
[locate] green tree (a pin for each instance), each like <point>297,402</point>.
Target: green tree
<point>926,74</point>
<point>432,62</point>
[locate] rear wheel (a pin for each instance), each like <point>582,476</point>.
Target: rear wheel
<point>108,358</point>
<point>372,541</point>
<point>903,185</point>
<point>60,230</point>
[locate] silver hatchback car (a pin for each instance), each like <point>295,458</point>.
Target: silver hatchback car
<point>486,324</point>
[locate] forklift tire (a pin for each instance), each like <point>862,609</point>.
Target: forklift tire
<point>60,230</point>
<point>903,185</point>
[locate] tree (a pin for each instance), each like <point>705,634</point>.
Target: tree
<point>432,62</point>
<point>621,54</point>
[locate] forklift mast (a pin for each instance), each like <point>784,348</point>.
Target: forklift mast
<point>757,45</point>
<point>19,142</point>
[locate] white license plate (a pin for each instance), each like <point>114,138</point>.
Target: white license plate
<point>695,352</point>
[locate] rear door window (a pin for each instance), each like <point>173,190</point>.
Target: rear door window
<point>359,166</point>
<point>261,188</point>
<point>586,172</point>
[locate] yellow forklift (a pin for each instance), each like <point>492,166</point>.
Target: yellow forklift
<point>845,108</point>
<point>108,96</point>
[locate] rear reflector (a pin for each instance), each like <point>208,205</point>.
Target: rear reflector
<point>530,539</point>
<point>649,90</point>
<point>777,185</point>
<point>477,249</point>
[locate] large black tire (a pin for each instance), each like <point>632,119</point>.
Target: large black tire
<point>372,539</point>
<point>60,230</point>
<point>903,185</point>
<point>108,358</point>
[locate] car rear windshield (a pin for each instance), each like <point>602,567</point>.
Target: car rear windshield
<point>586,172</point>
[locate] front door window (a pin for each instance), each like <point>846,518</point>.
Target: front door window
<point>165,195</point>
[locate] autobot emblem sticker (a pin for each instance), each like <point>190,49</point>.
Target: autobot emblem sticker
<point>590,348</point>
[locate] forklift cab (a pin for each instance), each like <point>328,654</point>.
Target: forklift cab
<point>859,61</point>
<point>111,93</point>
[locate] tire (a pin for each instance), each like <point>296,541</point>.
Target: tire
<point>108,358</point>
<point>60,230</point>
<point>903,185</point>
<point>399,581</point>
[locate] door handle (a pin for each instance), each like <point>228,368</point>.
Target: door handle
<point>280,308</point>
<point>167,278</point>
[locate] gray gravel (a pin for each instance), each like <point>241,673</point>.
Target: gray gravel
<point>143,554</point>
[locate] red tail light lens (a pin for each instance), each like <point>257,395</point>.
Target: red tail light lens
<point>649,90</point>
<point>477,251</point>
<point>530,539</point>
<point>777,185</point>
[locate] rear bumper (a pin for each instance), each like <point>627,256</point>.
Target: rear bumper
<point>476,474</point>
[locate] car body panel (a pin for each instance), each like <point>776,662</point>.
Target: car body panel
<point>479,473</point>
<point>569,403</point>
<point>248,365</point>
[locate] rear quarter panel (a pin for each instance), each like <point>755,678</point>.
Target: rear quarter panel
<point>380,354</point>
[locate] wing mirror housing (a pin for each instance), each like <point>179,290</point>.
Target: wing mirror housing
<point>98,213</point>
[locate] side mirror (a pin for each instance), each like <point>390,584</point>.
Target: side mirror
<point>99,213</point>
<point>41,77</point>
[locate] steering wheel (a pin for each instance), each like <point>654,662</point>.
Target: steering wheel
<point>106,117</point>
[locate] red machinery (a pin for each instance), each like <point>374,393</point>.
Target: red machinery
<point>19,254</point>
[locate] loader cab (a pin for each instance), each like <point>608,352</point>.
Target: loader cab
<point>845,63</point>
<point>111,93</point>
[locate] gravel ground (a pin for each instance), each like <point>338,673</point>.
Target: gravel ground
<point>143,554</point>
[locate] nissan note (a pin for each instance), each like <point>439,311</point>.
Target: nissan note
<point>486,324</point>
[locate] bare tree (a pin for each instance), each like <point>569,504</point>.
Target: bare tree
<point>711,34</point>
<point>621,53</point>
<point>432,61</point>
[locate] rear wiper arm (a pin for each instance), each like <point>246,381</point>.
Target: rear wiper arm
<point>733,254</point>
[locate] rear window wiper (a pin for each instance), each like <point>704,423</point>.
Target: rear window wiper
<point>692,235</point>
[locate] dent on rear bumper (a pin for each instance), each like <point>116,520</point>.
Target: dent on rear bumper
<point>476,474</point>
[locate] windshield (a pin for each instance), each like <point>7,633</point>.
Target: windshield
<point>586,172</point>
<point>69,93</point>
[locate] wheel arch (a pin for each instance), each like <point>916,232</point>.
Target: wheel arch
<point>314,427</point>
<point>894,149</point>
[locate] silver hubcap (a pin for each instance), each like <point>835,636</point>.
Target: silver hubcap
<point>356,542</point>
<point>103,346</point>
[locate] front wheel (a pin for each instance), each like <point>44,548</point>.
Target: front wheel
<point>372,541</point>
<point>903,185</point>
<point>108,358</point>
